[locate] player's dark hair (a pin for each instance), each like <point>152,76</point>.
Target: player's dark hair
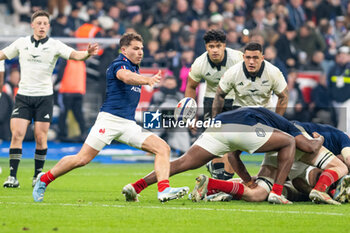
<point>214,35</point>
<point>126,39</point>
<point>253,46</point>
<point>39,13</point>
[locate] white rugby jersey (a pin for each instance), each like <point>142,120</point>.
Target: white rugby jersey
<point>2,67</point>
<point>37,60</point>
<point>253,91</point>
<point>204,68</point>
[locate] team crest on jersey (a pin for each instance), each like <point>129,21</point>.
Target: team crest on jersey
<point>260,132</point>
<point>152,120</point>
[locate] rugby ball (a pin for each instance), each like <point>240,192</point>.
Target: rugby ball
<point>186,109</point>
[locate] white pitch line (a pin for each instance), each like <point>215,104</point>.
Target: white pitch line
<point>181,208</point>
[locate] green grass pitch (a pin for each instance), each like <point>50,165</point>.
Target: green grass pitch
<point>89,199</point>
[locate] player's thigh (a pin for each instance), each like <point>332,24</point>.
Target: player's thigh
<point>43,108</point>
<point>240,137</point>
<point>19,126</point>
<point>23,108</point>
<point>277,140</point>
<point>138,137</point>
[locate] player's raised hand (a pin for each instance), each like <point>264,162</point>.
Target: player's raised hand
<point>93,49</point>
<point>155,79</point>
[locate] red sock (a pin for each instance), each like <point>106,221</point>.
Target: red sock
<point>139,185</point>
<point>163,184</point>
<point>277,188</point>
<point>327,178</point>
<point>233,188</point>
<point>47,178</point>
<point>331,192</point>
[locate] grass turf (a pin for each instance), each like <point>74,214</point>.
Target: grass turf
<point>89,199</point>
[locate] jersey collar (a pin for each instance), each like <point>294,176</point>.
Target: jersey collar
<point>258,75</point>
<point>124,58</point>
<point>218,66</point>
<point>37,42</point>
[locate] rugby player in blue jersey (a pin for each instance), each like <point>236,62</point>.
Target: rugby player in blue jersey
<point>251,130</point>
<point>116,122</point>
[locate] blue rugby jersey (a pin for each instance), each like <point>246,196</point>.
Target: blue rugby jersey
<point>252,116</point>
<point>334,139</point>
<point>121,98</point>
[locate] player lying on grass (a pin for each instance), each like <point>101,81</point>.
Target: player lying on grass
<point>339,144</point>
<point>116,121</point>
<point>307,179</point>
<point>246,129</point>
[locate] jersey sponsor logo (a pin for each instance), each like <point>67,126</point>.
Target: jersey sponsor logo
<point>102,131</point>
<point>260,132</point>
<point>151,120</point>
<point>207,74</point>
<point>46,48</point>
<point>33,59</point>
<point>47,116</point>
<point>15,111</point>
<point>136,89</point>
<point>265,81</point>
<point>253,90</point>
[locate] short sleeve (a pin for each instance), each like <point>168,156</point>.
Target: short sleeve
<point>63,50</point>
<point>12,50</point>
<point>279,81</point>
<point>226,82</point>
<point>195,72</point>
<point>121,66</point>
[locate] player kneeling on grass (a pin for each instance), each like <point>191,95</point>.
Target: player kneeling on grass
<point>246,129</point>
<point>116,120</point>
<point>310,180</point>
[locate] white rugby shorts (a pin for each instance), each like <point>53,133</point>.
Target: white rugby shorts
<point>232,137</point>
<point>109,127</point>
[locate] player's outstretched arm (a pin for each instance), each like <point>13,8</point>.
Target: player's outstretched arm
<point>235,160</point>
<point>218,102</point>
<point>92,50</point>
<point>133,78</point>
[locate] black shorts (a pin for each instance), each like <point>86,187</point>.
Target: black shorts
<point>37,108</point>
<point>208,105</point>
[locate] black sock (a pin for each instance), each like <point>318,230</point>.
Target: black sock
<point>218,171</point>
<point>15,158</point>
<point>228,175</point>
<point>39,161</point>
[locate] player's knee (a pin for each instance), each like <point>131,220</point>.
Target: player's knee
<point>291,141</point>
<point>342,170</point>
<point>82,161</point>
<point>40,138</point>
<point>17,135</point>
<point>163,149</point>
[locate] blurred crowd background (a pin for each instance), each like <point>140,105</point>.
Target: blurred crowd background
<point>307,40</point>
